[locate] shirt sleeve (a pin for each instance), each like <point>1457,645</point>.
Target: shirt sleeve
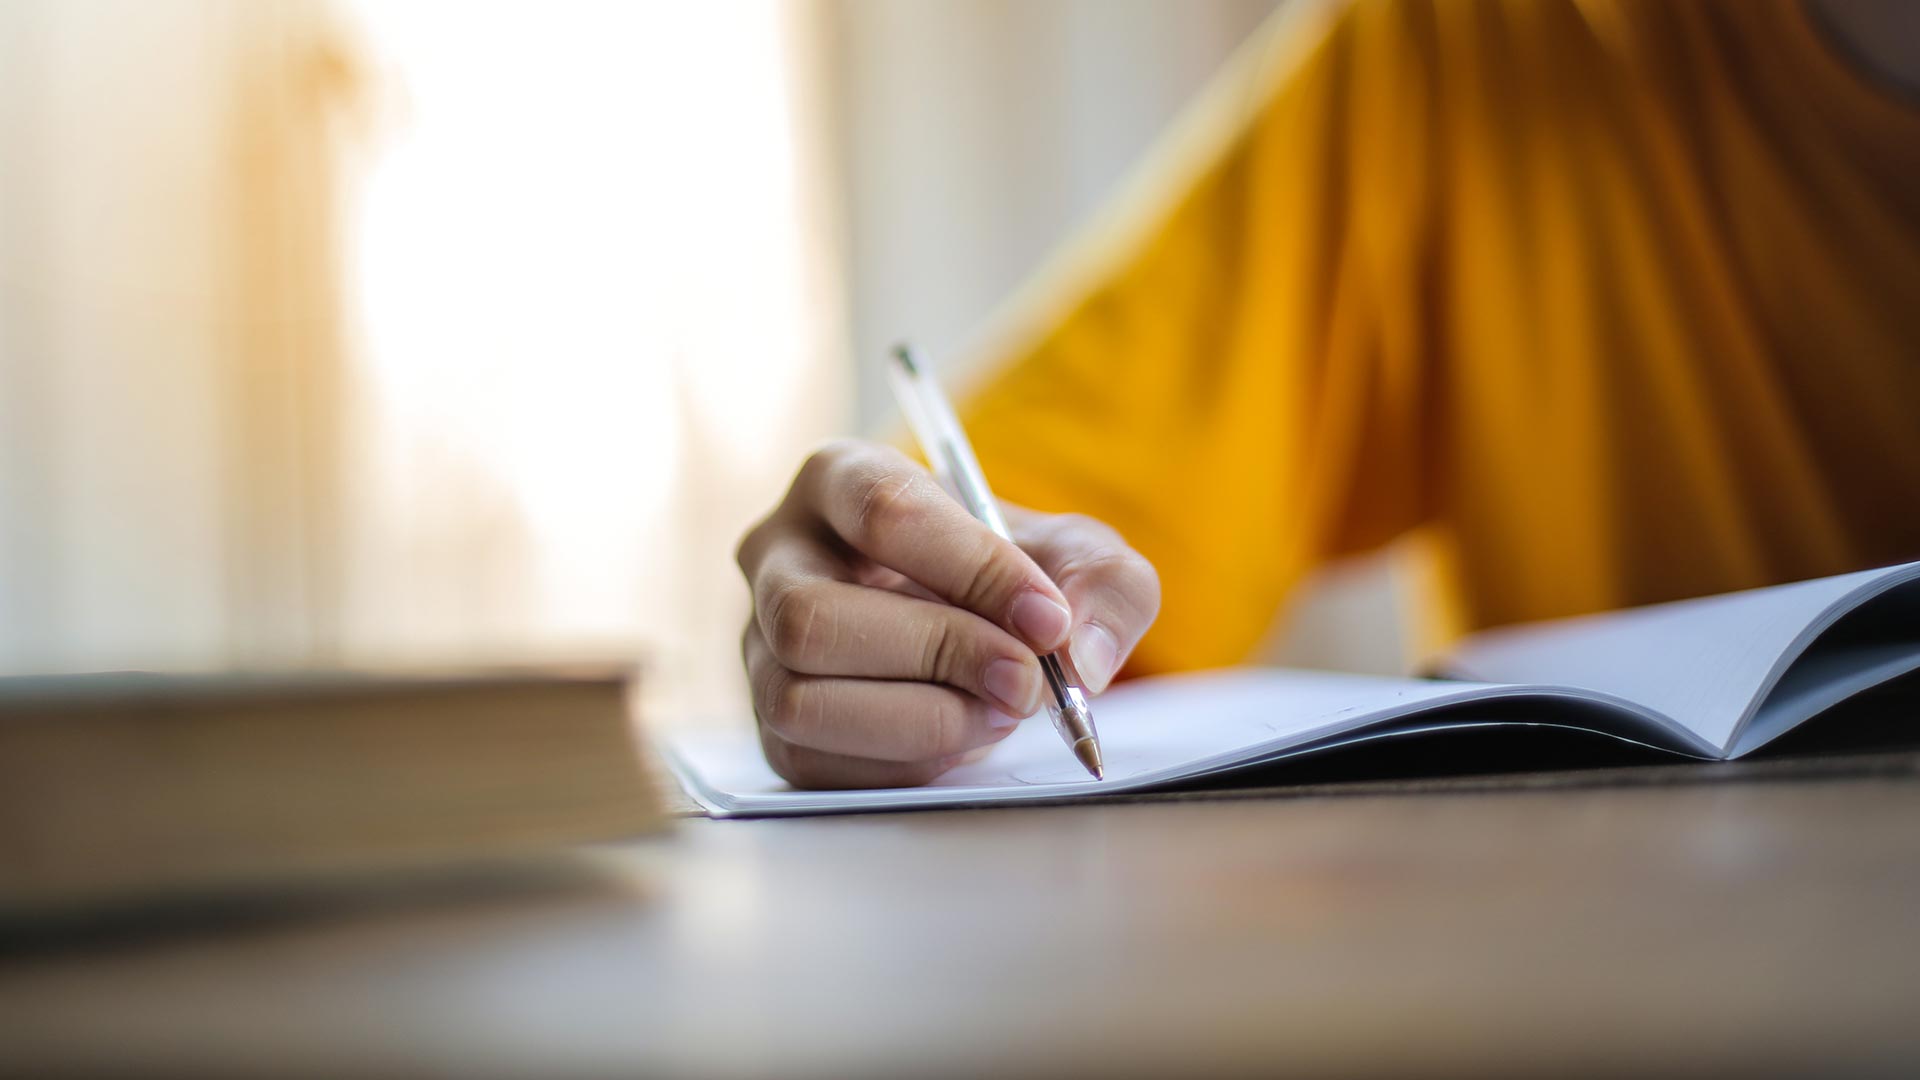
<point>1242,384</point>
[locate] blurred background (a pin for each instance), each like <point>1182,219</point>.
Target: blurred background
<point>350,331</point>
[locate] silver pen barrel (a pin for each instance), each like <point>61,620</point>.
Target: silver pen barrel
<point>940,435</point>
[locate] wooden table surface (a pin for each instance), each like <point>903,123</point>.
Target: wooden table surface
<point>1747,920</point>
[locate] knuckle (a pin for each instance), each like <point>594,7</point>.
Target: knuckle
<point>1000,572</point>
<point>783,704</point>
<point>1149,585</point>
<point>946,730</point>
<point>959,720</point>
<point>795,616</point>
<point>1135,578</point>
<point>755,658</point>
<point>824,472</point>
<point>825,460</point>
<point>1130,573</point>
<point>1123,572</point>
<point>751,543</point>
<point>806,482</point>
<point>885,500</point>
<point>941,651</point>
<point>924,741</point>
<point>1101,566</point>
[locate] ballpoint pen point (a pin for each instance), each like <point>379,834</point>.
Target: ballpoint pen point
<point>1088,751</point>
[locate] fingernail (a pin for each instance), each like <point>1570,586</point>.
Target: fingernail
<point>1015,685</point>
<point>1042,620</point>
<point>1095,655</point>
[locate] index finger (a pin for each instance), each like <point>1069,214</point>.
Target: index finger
<point>890,510</point>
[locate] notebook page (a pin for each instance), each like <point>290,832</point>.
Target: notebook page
<point>1150,732</point>
<point>1875,641</point>
<point>1823,679</point>
<point>1702,662</point>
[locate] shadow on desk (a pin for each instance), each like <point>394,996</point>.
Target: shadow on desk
<point>560,877</point>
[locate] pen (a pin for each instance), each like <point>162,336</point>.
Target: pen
<point>940,436</point>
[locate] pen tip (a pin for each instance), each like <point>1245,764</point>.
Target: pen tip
<point>1088,751</point>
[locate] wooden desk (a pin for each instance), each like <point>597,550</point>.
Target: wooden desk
<point>1755,922</point>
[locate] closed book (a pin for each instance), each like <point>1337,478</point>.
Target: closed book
<point>122,786</point>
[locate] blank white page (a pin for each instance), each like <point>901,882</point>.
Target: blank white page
<point>1150,732</point>
<point>1702,662</point>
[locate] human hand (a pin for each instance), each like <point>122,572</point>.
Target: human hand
<point>893,635</point>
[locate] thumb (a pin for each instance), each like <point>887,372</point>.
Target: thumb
<point>1112,589</point>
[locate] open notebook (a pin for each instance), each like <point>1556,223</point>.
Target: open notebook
<point>1712,678</point>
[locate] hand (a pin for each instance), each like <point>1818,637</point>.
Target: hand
<point>893,635</point>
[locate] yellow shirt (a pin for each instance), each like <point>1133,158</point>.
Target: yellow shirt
<point>1610,302</point>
